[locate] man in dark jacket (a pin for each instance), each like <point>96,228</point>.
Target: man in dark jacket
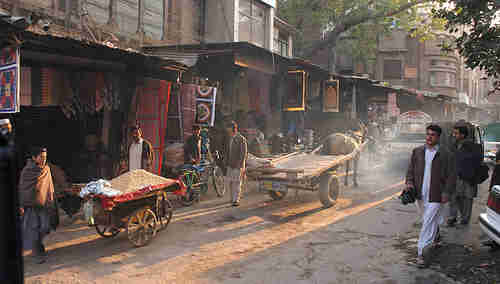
<point>468,160</point>
<point>12,246</point>
<point>236,155</point>
<point>431,174</point>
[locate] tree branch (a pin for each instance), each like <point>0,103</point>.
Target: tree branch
<point>351,22</point>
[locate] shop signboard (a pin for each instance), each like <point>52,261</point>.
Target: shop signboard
<point>205,105</point>
<point>331,96</point>
<point>9,80</point>
<point>295,91</point>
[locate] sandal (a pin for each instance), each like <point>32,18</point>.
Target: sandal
<point>421,262</point>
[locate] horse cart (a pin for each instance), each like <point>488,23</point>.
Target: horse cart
<point>307,171</point>
<point>141,213</point>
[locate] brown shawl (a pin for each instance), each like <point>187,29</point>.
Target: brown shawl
<point>36,187</point>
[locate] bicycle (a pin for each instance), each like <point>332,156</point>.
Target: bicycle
<point>197,179</point>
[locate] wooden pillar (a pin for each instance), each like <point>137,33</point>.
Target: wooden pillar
<point>140,22</point>
<point>354,101</point>
<point>67,14</point>
<point>112,12</point>
<point>165,19</point>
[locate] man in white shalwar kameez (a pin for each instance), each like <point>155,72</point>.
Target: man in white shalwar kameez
<point>431,173</point>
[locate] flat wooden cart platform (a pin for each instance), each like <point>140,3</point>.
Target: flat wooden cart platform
<point>306,171</point>
<point>141,213</point>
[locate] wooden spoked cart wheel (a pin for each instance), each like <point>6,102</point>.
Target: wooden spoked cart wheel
<point>106,231</point>
<point>141,227</point>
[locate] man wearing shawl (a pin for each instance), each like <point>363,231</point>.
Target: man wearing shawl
<point>38,203</point>
<point>431,174</point>
<point>468,160</point>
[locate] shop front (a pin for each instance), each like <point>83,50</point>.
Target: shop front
<point>250,83</point>
<point>79,99</point>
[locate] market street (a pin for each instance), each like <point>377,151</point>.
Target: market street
<point>288,241</point>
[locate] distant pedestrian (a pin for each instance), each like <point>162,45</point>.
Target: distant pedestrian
<point>373,136</point>
<point>236,155</point>
<point>431,173</point>
<point>39,207</point>
<point>468,159</point>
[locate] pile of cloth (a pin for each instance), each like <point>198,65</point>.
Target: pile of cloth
<point>100,187</point>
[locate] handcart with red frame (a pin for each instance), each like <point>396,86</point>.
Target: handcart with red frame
<point>140,213</point>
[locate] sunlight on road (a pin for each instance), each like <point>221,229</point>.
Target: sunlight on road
<point>214,255</point>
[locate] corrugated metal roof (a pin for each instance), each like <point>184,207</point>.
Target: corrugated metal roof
<point>188,59</point>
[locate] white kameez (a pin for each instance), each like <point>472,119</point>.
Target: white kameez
<point>135,156</point>
<point>432,215</point>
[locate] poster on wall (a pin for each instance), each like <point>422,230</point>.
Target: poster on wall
<point>331,96</point>
<point>9,80</point>
<point>295,91</point>
<point>205,105</point>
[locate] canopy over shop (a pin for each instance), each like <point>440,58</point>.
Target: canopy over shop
<point>259,89</point>
<point>78,99</point>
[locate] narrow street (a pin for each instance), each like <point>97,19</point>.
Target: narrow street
<point>290,241</point>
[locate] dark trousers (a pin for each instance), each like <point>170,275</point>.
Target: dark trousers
<point>462,204</point>
<point>38,247</point>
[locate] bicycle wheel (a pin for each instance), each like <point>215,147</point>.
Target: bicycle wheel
<point>218,181</point>
<point>189,179</point>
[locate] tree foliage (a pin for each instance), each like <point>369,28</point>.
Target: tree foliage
<point>359,21</point>
<point>476,24</point>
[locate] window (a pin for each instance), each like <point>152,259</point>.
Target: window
<point>153,19</point>
<point>252,23</point>
<point>442,79</point>
<point>61,6</point>
<point>98,10</point>
<point>280,44</point>
<point>128,16</point>
<point>392,69</point>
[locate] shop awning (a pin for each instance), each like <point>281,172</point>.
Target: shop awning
<point>77,54</point>
<point>245,54</point>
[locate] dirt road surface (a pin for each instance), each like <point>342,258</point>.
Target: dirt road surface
<point>294,240</point>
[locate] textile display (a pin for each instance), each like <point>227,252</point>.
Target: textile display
<point>90,92</point>
<point>10,74</point>
<point>205,105</point>
<point>331,96</point>
<point>296,91</point>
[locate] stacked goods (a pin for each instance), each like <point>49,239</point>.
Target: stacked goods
<point>136,180</point>
<point>174,155</point>
<point>339,144</point>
